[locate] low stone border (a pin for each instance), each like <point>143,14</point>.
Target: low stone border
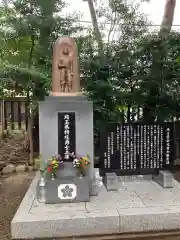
<point>10,168</point>
<point>161,235</point>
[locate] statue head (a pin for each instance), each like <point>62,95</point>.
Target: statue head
<point>65,51</point>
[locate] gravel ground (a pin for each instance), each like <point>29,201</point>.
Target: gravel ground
<point>12,191</point>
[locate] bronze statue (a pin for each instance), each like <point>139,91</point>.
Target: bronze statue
<point>65,74</point>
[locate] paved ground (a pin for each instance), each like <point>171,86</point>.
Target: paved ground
<point>12,191</point>
<point>139,205</point>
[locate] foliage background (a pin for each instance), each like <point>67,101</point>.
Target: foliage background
<point>134,78</point>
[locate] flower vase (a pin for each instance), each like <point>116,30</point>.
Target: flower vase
<point>42,179</point>
<point>53,176</point>
<point>80,174</point>
<point>42,182</point>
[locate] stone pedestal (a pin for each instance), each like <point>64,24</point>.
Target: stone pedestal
<point>48,127</point>
<point>164,179</point>
<point>137,207</point>
<point>65,190</point>
<point>110,181</point>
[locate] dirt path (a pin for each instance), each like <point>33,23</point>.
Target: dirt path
<point>12,191</point>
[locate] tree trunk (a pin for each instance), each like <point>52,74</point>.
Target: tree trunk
<point>166,25</point>
<point>168,18</point>
<point>6,3</point>
<point>96,27</point>
<point>29,130</point>
<point>2,119</point>
<point>35,133</point>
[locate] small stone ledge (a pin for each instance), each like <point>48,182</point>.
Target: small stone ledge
<point>63,224</point>
<point>164,179</point>
<point>11,168</point>
<point>110,181</point>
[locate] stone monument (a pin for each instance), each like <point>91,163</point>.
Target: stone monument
<point>66,126</point>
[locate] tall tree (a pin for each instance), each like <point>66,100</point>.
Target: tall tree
<point>5,3</point>
<point>32,28</point>
<point>168,17</point>
<point>97,32</point>
<point>110,84</point>
<point>25,65</point>
<point>158,57</point>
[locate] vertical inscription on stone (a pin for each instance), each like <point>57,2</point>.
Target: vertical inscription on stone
<point>138,146</point>
<point>66,137</point>
<point>109,152</point>
<point>167,145</point>
<point>66,134</point>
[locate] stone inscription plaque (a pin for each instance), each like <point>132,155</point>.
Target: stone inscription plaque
<point>138,146</point>
<point>66,134</point>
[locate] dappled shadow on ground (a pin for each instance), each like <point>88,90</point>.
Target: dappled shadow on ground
<point>12,191</point>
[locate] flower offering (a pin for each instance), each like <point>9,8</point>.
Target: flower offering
<point>53,164</point>
<point>80,162</point>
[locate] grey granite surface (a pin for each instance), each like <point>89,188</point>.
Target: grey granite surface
<point>139,205</point>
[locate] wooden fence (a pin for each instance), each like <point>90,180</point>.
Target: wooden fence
<point>14,113</point>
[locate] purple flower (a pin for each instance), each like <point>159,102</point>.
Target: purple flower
<point>58,158</point>
<point>78,156</point>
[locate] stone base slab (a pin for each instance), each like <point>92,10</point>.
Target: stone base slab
<point>64,94</point>
<point>137,206</point>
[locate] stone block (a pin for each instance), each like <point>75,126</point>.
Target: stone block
<point>30,168</point>
<point>149,219</point>
<point>21,168</point>
<point>9,169</point>
<point>63,224</point>
<point>164,179</point>
<point>67,189</point>
<point>48,122</point>
<point>110,181</point>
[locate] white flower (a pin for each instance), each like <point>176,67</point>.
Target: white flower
<point>75,161</point>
